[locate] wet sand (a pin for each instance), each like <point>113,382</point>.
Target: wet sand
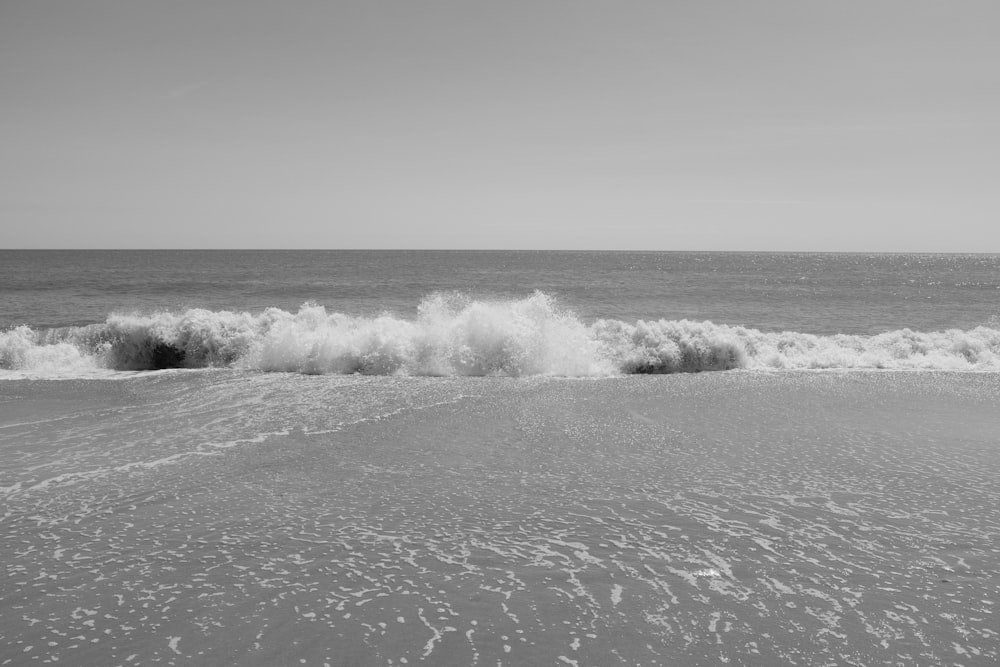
<point>748,518</point>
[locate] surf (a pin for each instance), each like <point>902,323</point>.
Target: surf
<point>453,334</point>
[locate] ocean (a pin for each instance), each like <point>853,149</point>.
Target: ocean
<point>517,458</point>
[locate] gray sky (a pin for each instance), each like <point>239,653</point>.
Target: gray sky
<point>773,125</point>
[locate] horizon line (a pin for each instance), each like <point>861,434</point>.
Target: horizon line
<point>486,250</point>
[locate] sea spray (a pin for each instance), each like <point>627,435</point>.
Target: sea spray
<point>453,334</point>
<point>20,349</point>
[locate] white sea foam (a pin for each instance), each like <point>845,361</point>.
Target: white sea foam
<point>455,335</point>
<point>20,350</point>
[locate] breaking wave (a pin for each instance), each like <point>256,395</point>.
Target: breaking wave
<point>455,335</point>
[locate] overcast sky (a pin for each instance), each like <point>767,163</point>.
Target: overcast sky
<point>773,125</point>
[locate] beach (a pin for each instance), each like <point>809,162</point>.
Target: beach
<point>214,517</point>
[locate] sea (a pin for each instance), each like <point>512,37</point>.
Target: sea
<point>359,457</point>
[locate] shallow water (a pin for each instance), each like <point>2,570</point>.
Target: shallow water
<point>222,517</point>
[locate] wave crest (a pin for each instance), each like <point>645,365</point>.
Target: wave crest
<point>670,346</point>
<point>453,334</point>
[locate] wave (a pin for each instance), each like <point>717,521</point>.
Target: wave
<point>453,334</point>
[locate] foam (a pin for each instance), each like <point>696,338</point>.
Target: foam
<point>453,334</point>
<point>22,355</point>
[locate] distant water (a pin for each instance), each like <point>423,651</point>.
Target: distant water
<point>506,312</point>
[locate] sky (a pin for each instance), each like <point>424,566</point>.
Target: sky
<point>784,125</point>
